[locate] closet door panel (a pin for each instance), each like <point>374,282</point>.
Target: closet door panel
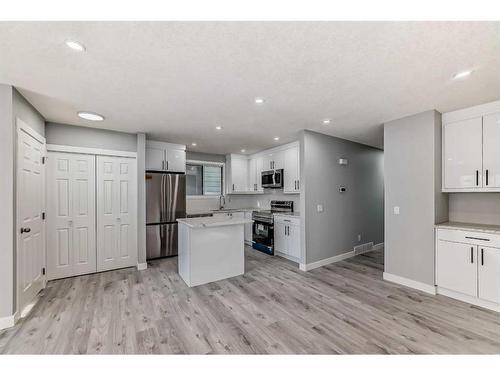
<point>71,246</point>
<point>116,216</point>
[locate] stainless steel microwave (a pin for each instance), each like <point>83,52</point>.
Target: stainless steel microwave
<point>272,179</point>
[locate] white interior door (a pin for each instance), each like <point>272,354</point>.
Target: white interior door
<point>489,274</point>
<point>491,150</point>
<point>463,145</point>
<point>70,215</point>
<point>457,267</point>
<point>116,212</point>
<point>30,224</point>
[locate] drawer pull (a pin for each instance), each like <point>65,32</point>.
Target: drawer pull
<point>477,238</point>
<point>482,257</point>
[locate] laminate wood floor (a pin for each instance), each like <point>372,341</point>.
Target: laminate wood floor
<point>345,307</point>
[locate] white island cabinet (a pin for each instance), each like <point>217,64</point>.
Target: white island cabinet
<point>211,248</point>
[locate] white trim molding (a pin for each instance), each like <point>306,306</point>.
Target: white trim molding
<point>7,321</point>
<point>431,289</point>
<point>324,262</point>
<point>91,151</point>
<point>142,266</point>
<point>469,299</point>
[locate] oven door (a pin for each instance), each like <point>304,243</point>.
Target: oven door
<point>263,237</point>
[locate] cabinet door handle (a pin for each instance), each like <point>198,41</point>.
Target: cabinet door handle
<point>167,165</point>
<point>298,184</point>
<point>163,164</point>
<point>233,187</point>
<point>472,255</point>
<point>482,257</point>
<point>477,178</point>
<point>486,177</point>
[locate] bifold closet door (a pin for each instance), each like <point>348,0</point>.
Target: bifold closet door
<point>71,239</point>
<point>116,212</point>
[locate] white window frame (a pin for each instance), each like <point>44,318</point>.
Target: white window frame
<point>212,163</point>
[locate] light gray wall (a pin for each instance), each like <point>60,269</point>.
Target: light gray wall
<point>412,165</point>
<point>219,158</point>
<point>7,139</point>
<point>25,111</point>
<point>141,198</point>
<point>480,208</point>
<point>360,210</point>
<point>81,136</point>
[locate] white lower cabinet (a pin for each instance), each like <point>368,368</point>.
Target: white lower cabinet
<point>489,273</point>
<point>287,237</point>
<point>116,212</point>
<point>457,267</point>
<point>468,270</point>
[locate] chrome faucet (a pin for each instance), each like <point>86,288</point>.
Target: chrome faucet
<point>222,202</point>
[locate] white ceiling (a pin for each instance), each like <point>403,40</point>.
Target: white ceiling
<point>178,80</point>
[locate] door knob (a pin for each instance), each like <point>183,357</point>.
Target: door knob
<point>25,230</point>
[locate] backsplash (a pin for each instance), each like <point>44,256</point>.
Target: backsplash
<point>262,201</point>
<point>479,208</point>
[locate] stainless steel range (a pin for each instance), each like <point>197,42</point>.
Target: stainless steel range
<point>263,226</point>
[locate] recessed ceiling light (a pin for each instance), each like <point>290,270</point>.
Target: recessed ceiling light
<point>276,138</point>
<point>259,100</point>
<point>326,121</point>
<point>218,127</point>
<point>243,150</point>
<point>77,46</point>
<point>90,116</point>
<point>463,74</point>
<point>193,144</point>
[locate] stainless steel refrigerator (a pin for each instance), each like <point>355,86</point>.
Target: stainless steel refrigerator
<point>165,203</point>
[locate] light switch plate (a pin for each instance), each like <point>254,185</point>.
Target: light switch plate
<point>396,210</point>
<point>320,208</point>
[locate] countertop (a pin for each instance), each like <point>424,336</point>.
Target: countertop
<point>208,222</point>
<point>293,214</point>
<point>224,210</point>
<point>484,228</point>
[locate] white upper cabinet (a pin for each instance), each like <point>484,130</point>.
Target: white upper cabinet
<point>491,151</point>
<point>291,182</point>
<point>273,160</point>
<point>254,174</point>
<point>462,153</point>
<point>237,174</point>
<point>161,156</point>
<point>471,155</point>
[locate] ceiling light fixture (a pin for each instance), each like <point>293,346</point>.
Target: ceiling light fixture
<point>193,144</point>
<point>90,116</point>
<point>243,150</point>
<point>74,45</point>
<point>259,101</point>
<point>276,138</point>
<point>218,127</point>
<point>463,74</point>
<point>326,121</point>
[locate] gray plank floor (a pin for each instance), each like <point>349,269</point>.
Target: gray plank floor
<point>274,308</point>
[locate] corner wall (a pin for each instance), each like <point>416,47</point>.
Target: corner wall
<point>412,148</point>
<point>358,211</point>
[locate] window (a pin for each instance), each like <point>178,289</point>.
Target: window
<point>204,178</point>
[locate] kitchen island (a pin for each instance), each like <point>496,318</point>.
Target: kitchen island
<point>211,248</point>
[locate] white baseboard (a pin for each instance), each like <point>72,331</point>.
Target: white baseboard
<point>431,289</point>
<point>337,258</point>
<point>7,321</point>
<point>324,262</point>
<point>142,266</point>
<point>469,299</point>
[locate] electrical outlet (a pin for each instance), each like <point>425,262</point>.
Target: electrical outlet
<point>319,208</point>
<point>396,210</point>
